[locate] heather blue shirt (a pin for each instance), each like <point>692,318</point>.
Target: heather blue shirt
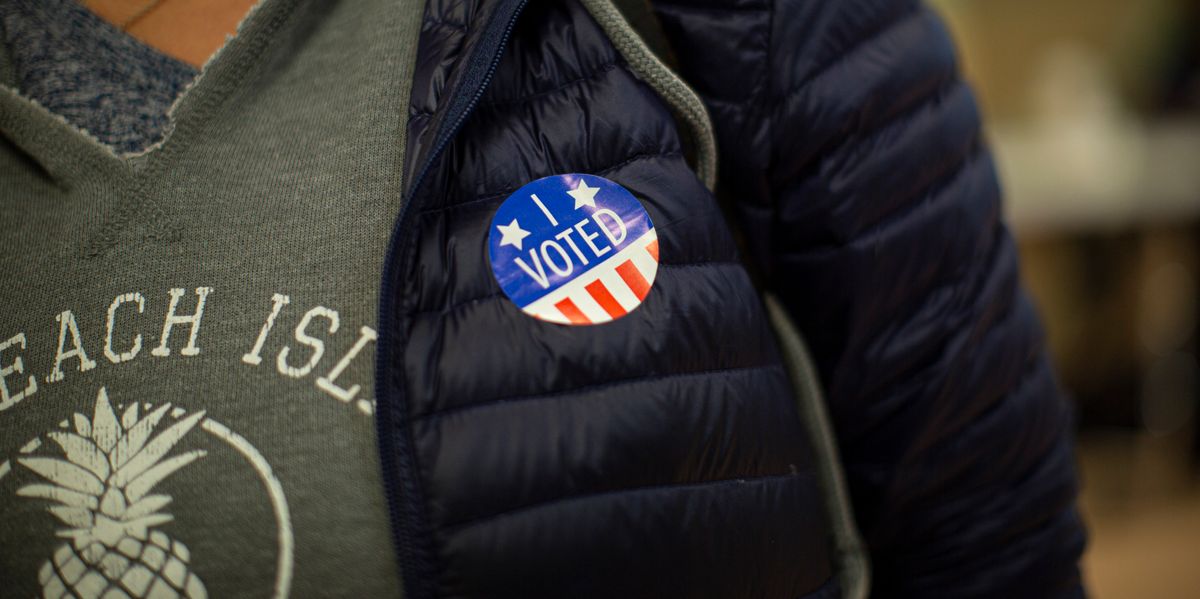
<point>92,74</point>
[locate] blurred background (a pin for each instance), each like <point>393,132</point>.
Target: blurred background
<point>1093,111</point>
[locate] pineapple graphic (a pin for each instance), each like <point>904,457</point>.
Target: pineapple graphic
<point>102,492</point>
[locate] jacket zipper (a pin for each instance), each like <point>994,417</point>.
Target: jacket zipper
<point>411,533</point>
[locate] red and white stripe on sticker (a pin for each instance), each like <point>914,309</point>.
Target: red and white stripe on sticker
<point>574,249</point>
<point>606,292</point>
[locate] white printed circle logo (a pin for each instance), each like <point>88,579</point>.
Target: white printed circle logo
<point>574,249</point>
<point>100,485</point>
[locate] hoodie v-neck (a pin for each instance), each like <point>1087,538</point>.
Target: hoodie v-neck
<point>90,72</point>
<point>70,154</point>
<point>232,272</point>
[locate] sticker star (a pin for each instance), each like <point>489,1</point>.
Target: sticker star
<point>512,234</point>
<point>584,195</point>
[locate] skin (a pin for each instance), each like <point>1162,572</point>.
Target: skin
<point>190,30</point>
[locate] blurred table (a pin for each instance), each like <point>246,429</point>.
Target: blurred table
<point>1072,177</point>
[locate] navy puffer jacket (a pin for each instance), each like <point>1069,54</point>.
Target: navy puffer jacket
<point>662,454</point>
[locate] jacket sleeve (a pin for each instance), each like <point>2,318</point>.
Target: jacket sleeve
<point>852,151</point>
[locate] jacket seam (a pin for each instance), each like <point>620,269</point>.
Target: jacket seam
<point>594,74</point>
<point>507,192</point>
<point>566,393</point>
<point>614,493</point>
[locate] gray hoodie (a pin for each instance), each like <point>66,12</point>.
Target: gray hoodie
<point>187,334</point>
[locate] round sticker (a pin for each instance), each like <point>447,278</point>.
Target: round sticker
<point>574,249</point>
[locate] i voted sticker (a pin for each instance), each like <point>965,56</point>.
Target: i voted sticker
<point>574,249</point>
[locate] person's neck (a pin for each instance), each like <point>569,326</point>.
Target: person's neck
<point>190,30</point>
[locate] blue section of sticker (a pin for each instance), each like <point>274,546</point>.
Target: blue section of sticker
<point>573,248</point>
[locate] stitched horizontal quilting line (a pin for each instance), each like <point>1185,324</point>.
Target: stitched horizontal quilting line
<point>683,486</point>
<point>525,99</point>
<point>567,393</point>
<point>446,310</point>
<point>490,196</point>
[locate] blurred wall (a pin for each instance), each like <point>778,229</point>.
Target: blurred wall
<point>1092,108</point>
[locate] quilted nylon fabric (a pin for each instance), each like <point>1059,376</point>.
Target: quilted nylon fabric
<point>660,455</point>
<point>852,151</point>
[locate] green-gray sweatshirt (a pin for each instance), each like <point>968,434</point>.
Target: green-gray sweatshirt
<point>187,336</point>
